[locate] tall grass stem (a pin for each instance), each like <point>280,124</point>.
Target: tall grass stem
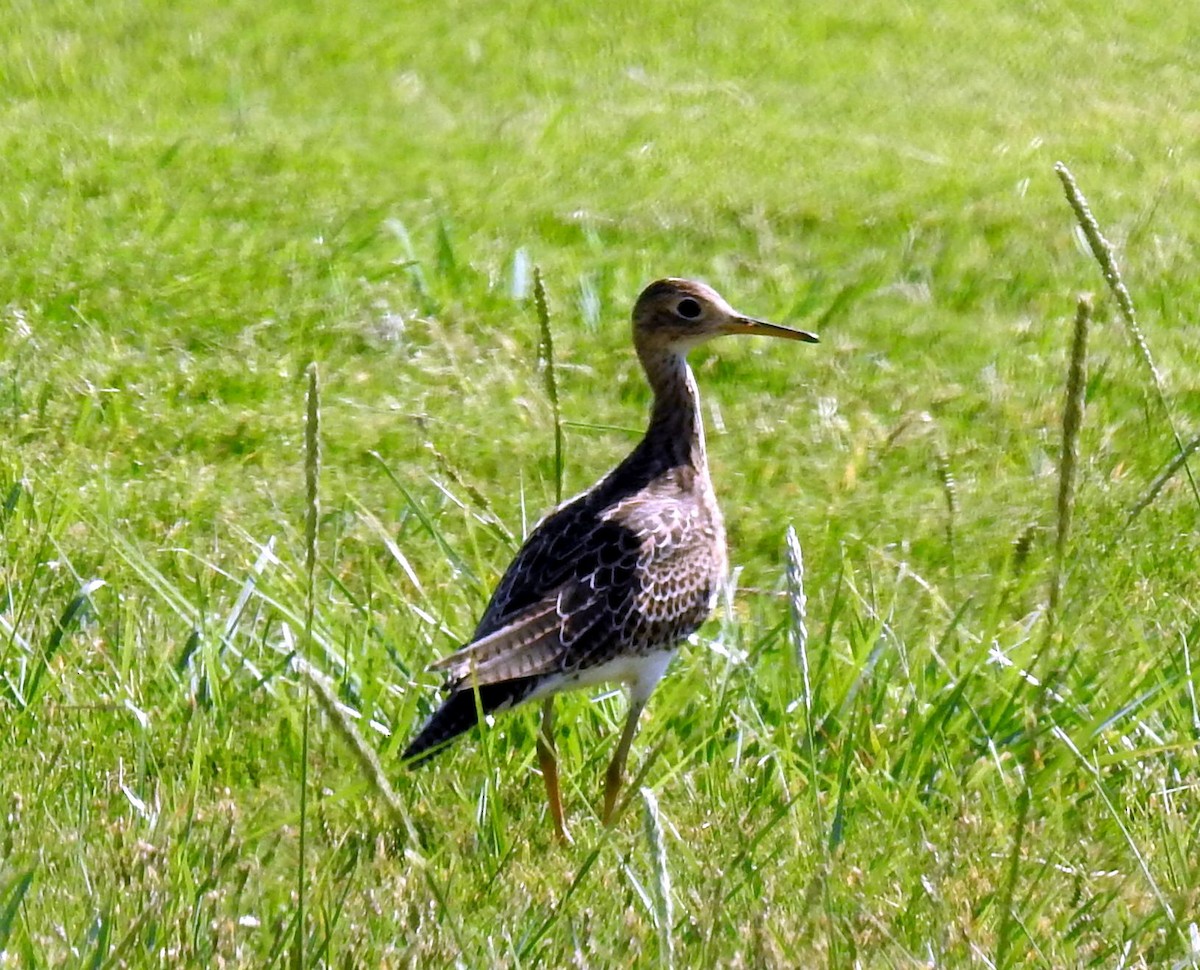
<point>1105,256</point>
<point>1008,890</point>
<point>366,756</point>
<point>662,877</point>
<point>950,493</point>
<point>1160,480</point>
<point>546,363</point>
<point>1068,461</point>
<point>312,510</point>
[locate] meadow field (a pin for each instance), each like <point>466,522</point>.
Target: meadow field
<point>947,725</point>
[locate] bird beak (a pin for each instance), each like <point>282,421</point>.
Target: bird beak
<point>751,325</point>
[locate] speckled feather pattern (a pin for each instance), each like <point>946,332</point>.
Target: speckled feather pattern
<point>626,569</point>
<point>599,578</point>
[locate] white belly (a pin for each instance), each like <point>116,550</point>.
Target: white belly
<point>640,674</point>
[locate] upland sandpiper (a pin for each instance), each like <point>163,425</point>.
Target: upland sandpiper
<point>609,583</point>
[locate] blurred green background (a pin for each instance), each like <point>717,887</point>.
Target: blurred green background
<point>199,199</point>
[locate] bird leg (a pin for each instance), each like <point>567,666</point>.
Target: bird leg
<point>612,778</point>
<point>549,764</point>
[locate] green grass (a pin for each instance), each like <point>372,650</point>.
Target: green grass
<point>200,199</point>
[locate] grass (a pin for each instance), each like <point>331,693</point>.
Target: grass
<point>200,200</point>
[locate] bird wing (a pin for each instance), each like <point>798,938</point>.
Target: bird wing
<point>593,578</point>
<point>563,599</point>
<point>539,640</point>
<point>573,545</point>
<point>527,646</point>
<point>502,668</point>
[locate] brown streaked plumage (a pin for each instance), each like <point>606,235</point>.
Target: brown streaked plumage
<point>607,585</point>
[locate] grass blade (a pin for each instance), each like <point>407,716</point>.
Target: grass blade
<point>546,364</point>
<point>949,485</point>
<point>1117,818</point>
<point>662,877</point>
<point>8,914</point>
<point>1007,916</point>
<point>366,756</point>
<point>54,642</point>
<point>1102,250</point>
<point>478,499</point>
<point>1069,459</point>
<point>1162,478</point>
<point>312,511</point>
<point>451,554</point>
<point>799,608</point>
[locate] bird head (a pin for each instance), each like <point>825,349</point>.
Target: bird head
<point>675,315</point>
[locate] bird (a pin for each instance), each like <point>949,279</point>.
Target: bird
<point>608,584</point>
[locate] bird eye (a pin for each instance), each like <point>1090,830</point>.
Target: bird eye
<point>688,308</point>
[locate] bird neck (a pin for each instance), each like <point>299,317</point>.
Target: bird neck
<point>675,433</point>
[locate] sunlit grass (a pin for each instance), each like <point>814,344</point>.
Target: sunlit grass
<point>200,201</point>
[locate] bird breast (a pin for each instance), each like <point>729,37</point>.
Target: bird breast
<point>681,559</point>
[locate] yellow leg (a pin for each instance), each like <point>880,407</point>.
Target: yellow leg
<point>549,764</point>
<point>616,769</point>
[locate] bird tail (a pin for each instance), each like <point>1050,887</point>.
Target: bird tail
<point>460,712</point>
